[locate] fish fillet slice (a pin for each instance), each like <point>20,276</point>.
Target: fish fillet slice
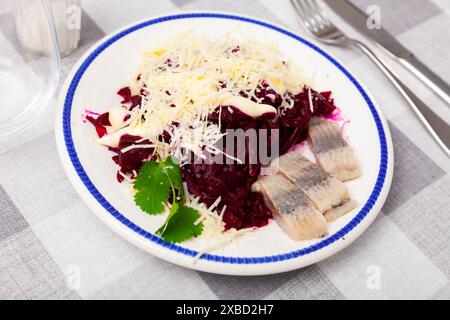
<point>329,195</point>
<point>292,209</point>
<point>333,153</point>
<point>340,210</point>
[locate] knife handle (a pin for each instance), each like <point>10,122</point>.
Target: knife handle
<point>433,81</point>
<point>438,128</point>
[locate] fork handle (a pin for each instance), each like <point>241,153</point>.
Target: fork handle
<point>439,129</point>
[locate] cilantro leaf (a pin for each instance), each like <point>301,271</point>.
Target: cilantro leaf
<point>152,185</point>
<point>181,225</point>
<point>172,211</point>
<point>173,172</point>
<point>145,174</point>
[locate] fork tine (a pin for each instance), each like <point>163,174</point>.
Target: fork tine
<point>304,16</point>
<point>312,17</point>
<point>307,17</point>
<point>314,12</point>
<point>319,12</point>
<point>333,32</point>
<point>316,21</point>
<point>301,13</point>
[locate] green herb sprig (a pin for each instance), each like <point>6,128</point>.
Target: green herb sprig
<point>155,184</point>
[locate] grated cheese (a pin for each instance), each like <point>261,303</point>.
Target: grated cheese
<point>187,77</point>
<point>311,106</point>
<point>213,226</point>
<point>127,178</point>
<point>137,146</point>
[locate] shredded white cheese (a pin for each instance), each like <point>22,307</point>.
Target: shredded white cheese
<point>137,146</point>
<point>189,76</point>
<point>311,106</point>
<point>127,178</point>
<point>214,232</point>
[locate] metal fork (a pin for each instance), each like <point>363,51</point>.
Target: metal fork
<point>319,26</point>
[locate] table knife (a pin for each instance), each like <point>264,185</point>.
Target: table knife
<point>358,19</point>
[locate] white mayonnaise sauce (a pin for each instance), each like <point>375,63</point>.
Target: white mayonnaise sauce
<point>248,107</point>
<point>116,117</point>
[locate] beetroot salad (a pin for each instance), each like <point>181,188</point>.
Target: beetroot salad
<point>194,85</point>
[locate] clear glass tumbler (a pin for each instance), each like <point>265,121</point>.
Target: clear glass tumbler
<point>29,62</point>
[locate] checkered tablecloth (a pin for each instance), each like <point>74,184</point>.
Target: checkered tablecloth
<point>49,238</point>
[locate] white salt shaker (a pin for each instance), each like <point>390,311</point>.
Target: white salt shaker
<point>67,20</point>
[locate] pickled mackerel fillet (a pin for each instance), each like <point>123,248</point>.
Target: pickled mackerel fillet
<point>333,153</point>
<point>328,194</point>
<point>292,209</point>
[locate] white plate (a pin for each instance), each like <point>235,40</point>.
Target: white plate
<point>109,64</point>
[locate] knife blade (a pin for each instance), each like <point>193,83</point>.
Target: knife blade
<point>358,19</point>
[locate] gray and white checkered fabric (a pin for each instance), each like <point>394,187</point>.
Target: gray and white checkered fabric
<point>47,234</point>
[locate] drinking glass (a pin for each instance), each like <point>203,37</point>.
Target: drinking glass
<point>29,62</point>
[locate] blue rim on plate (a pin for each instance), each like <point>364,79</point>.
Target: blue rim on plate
<point>211,257</point>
